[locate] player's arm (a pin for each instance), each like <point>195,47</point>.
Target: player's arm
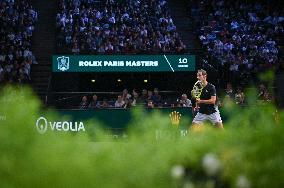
<point>212,100</point>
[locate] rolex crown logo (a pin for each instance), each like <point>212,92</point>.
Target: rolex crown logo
<point>175,118</point>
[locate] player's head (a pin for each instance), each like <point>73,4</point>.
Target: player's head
<point>201,75</point>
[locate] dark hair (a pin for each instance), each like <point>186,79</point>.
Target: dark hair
<point>202,71</point>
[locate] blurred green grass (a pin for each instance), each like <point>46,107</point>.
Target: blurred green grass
<point>249,153</point>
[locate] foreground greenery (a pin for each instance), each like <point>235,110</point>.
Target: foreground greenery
<point>248,153</point>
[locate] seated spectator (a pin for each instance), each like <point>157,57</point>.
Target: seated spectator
<point>144,96</point>
<point>157,99</point>
<point>105,104</point>
<point>125,95</point>
<point>264,96</point>
<point>185,102</point>
<point>75,49</point>
<point>150,96</point>
<point>84,103</point>
<point>119,103</point>
<point>94,103</point>
<point>239,96</point>
<point>229,91</point>
<point>135,100</point>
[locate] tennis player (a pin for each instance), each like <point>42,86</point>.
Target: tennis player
<point>208,110</point>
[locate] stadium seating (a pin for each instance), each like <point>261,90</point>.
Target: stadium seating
<point>241,38</point>
<point>17,20</point>
<point>117,27</point>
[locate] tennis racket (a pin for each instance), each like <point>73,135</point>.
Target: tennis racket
<point>196,93</point>
<point>197,90</point>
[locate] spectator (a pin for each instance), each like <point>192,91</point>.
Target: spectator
<point>150,96</point>
<point>185,102</point>
<point>125,95</point>
<point>157,99</point>
<point>264,96</point>
<point>136,99</point>
<point>239,96</point>
<point>84,103</point>
<point>119,103</point>
<point>229,92</point>
<point>105,104</point>
<point>94,103</point>
<point>144,96</point>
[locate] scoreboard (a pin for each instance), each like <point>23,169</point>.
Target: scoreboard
<point>123,63</point>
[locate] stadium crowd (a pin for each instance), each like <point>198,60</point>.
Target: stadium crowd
<point>154,99</point>
<point>145,98</point>
<point>17,20</point>
<point>117,27</point>
<point>240,37</point>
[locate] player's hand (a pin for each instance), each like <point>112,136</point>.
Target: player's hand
<point>198,101</point>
